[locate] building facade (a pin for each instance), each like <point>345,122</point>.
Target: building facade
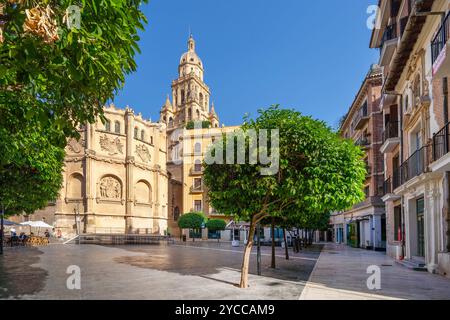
<point>115,178</point>
<point>412,38</point>
<point>364,225</point>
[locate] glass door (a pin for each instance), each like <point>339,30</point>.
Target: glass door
<point>420,228</point>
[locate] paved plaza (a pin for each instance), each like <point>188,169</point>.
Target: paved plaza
<point>207,270</point>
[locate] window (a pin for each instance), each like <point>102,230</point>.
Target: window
<point>142,135</point>
<point>117,127</point>
<point>198,166</point>
<point>107,125</point>
<point>170,122</point>
<point>198,148</point>
<point>198,205</point>
<point>151,139</point>
<point>197,183</point>
<point>136,130</point>
<point>198,114</point>
<point>201,99</point>
<point>367,191</point>
<point>176,213</point>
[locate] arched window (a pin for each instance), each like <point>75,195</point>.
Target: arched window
<point>198,114</point>
<point>117,127</point>
<point>198,148</point>
<point>201,99</point>
<point>142,135</point>
<point>176,213</point>
<point>189,114</point>
<point>182,96</point>
<point>136,130</point>
<point>170,122</point>
<point>107,125</point>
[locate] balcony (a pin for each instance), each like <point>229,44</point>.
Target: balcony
<point>416,164</point>
<point>389,185</point>
<point>410,26</point>
<point>391,137</point>
<point>197,189</point>
<point>388,44</point>
<point>361,117</point>
<point>441,150</point>
<point>363,142</point>
<point>441,64</point>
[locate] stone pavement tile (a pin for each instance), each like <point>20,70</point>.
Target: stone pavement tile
<point>341,273</point>
<point>153,272</point>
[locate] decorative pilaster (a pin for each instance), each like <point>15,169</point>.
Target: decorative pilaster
<point>129,163</point>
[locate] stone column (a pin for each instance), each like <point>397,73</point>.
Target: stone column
<point>129,165</point>
<point>432,225</point>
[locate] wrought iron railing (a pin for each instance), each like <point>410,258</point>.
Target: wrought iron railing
<point>392,183</point>
<point>390,130</point>
<point>415,165</point>
<point>362,113</point>
<point>440,39</point>
<point>389,34</point>
<point>363,141</point>
<point>441,144</point>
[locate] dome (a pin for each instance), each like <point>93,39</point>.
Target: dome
<point>191,57</point>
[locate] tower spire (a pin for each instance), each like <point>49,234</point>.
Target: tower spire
<point>191,43</point>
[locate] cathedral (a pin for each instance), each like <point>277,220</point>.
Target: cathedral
<point>131,175</point>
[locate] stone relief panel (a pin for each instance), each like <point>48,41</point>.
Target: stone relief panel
<point>112,146</point>
<point>143,153</point>
<point>110,188</point>
<point>75,146</point>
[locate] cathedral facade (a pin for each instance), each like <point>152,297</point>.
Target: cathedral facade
<point>115,178</point>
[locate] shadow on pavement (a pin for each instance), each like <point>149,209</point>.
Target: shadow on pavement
<point>17,276</point>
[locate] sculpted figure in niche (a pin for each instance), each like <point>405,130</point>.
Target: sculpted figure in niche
<point>110,188</point>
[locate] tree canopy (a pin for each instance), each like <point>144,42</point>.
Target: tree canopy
<point>60,62</point>
<point>192,220</point>
<point>317,172</point>
<point>216,224</point>
<point>62,72</point>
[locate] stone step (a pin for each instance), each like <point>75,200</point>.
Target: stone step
<point>412,264</point>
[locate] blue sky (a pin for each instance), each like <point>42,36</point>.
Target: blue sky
<point>308,55</point>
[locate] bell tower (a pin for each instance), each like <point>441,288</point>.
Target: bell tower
<point>190,94</point>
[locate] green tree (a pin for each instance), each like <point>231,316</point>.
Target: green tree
<point>192,220</point>
<point>55,76</point>
<point>62,73</point>
<point>318,172</point>
<point>30,168</point>
<point>216,225</point>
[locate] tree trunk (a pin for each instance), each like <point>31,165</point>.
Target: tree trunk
<point>246,258</point>
<point>285,244</point>
<point>272,230</point>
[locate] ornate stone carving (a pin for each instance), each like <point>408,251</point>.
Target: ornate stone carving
<point>143,153</point>
<point>110,188</point>
<point>112,146</point>
<point>75,146</point>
